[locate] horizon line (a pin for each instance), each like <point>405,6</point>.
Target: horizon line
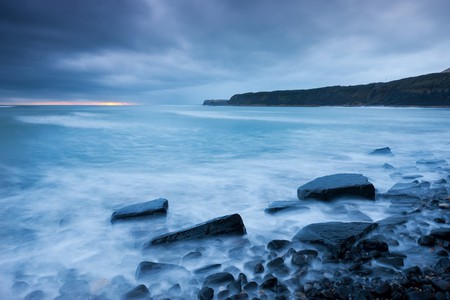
<point>68,103</point>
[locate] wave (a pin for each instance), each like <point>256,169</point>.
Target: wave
<point>76,120</point>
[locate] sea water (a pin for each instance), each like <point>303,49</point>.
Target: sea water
<point>65,170</point>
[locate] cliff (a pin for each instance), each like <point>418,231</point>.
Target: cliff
<point>425,90</point>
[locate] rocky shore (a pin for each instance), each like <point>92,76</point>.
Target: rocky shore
<point>404,256</point>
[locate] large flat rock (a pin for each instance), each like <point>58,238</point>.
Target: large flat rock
<point>337,185</point>
<point>226,225</point>
<point>337,237</point>
<point>140,210</point>
<point>150,270</point>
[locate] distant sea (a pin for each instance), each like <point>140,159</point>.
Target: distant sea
<point>64,170</point>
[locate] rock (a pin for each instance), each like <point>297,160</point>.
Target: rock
<point>383,290</point>
<point>431,162</point>
<point>278,206</point>
<point>382,151</point>
<point>393,261</point>
<point>191,256</point>
<point>147,269</point>
<point>310,253</point>
<point>299,259</point>
<point>35,295</point>
<point>369,245</point>
<point>226,225</point>
<point>420,295</point>
<point>337,237</point>
<point>426,240</point>
<point>412,271</point>
<point>442,253</point>
<point>221,278</point>
<point>441,234</point>
<point>439,220</point>
<point>276,245</point>
<point>206,293</point>
<point>140,210</point>
<point>441,284</point>
<point>251,286</point>
<point>207,268</point>
<point>412,191</point>
<point>20,287</point>
<point>275,263</point>
<point>334,186</point>
<point>269,283</point>
<point>388,166</point>
<point>392,221</point>
<point>75,289</point>
<point>138,293</point>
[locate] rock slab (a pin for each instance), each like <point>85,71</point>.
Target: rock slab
<point>226,225</point>
<point>330,187</point>
<point>337,237</point>
<point>149,269</point>
<point>139,210</point>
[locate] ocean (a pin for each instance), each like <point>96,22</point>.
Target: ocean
<point>65,169</point>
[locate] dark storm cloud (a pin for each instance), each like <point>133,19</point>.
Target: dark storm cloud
<point>178,50</point>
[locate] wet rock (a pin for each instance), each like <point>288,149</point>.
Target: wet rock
<point>394,261</point>
<point>275,263</point>
<point>412,271</point>
<point>420,295</point>
<point>382,151</point>
<point>206,293</point>
<point>441,284</point>
<point>207,268</point>
<point>138,293</point>
<point>242,296</point>
<point>235,287</point>
<point>442,253</point>
<point>283,206</point>
<point>259,268</point>
<point>147,269</point>
<point>19,287</point>
<point>191,256</point>
<point>426,240</point>
<point>269,283</point>
<point>223,294</point>
<point>299,259</point>
<point>383,290</point>
<point>35,295</point>
<point>337,237</point>
<point>431,162</point>
<point>175,289</point>
<point>392,221</point>
<point>242,278</point>
<point>310,253</point>
<point>226,225</point>
<point>277,245</point>
<point>334,186</point>
<point>75,289</point>
<point>388,166</point>
<point>251,286</point>
<point>439,220</point>
<point>356,215</point>
<point>369,245</point>
<point>220,278</point>
<point>441,234</point>
<point>140,210</point>
<point>252,264</point>
<point>442,265</point>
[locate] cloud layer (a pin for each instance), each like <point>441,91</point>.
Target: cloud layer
<point>179,51</point>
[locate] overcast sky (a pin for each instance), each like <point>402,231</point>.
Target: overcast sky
<point>185,51</point>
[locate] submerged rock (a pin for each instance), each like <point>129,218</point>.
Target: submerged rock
<point>334,186</point>
<point>337,237</point>
<point>226,225</point>
<point>140,292</point>
<point>139,210</point>
<point>278,206</point>
<point>148,269</point>
<point>382,151</point>
<point>221,278</point>
<point>442,234</point>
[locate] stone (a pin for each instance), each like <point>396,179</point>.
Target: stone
<point>382,151</point>
<point>206,293</point>
<point>393,261</point>
<point>226,225</point>
<point>138,293</point>
<point>276,245</point>
<point>337,237</point>
<point>369,245</point>
<point>427,240</point>
<point>221,278</point>
<point>441,234</point>
<point>412,271</point>
<point>441,284</point>
<point>148,269</point>
<point>140,210</point>
<point>251,286</point>
<point>207,268</point>
<point>269,284</point>
<point>388,166</point>
<point>279,206</point>
<point>275,263</point>
<point>330,187</point>
<point>75,289</point>
<point>35,295</point>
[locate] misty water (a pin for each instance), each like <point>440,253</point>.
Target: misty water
<point>65,170</point>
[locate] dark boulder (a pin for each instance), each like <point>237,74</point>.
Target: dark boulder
<point>277,245</point>
<point>441,234</point>
<point>138,293</point>
<point>140,210</point>
<point>226,225</point>
<point>382,151</point>
<point>208,268</point>
<point>221,278</point>
<point>427,240</point>
<point>206,293</point>
<point>337,237</point>
<point>369,245</point>
<point>284,206</point>
<point>148,269</point>
<point>334,186</point>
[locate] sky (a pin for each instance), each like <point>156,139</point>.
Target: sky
<point>186,51</point>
